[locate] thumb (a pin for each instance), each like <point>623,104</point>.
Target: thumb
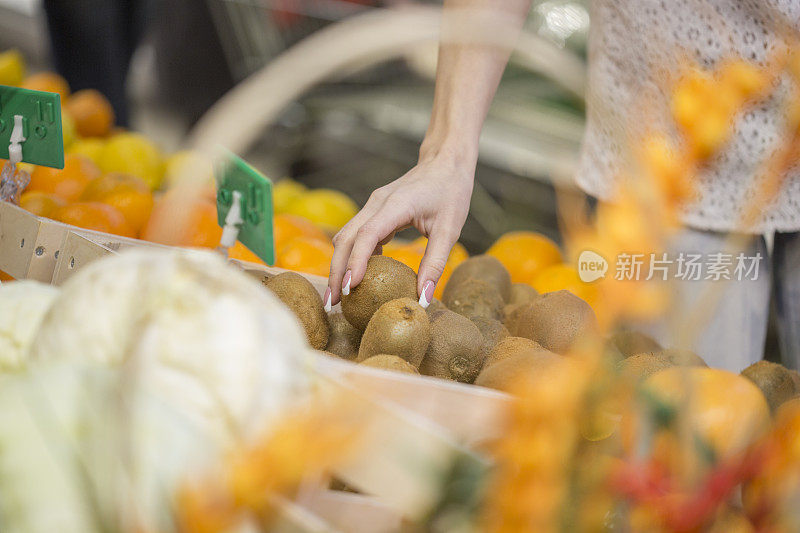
<point>432,265</point>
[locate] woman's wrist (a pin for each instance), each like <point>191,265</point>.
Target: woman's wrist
<point>459,154</point>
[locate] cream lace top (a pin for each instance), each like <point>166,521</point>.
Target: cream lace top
<point>634,46</point>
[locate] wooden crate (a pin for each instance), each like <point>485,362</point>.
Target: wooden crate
<point>414,427</point>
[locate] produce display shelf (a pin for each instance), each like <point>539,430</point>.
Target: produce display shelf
<point>413,426</point>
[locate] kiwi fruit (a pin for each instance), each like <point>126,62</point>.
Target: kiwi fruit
<point>630,342</point>
<point>510,347</point>
<point>456,348</point>
<point>475,298</point>
<point>511,314</point>
<point>504,373</point>
<point>796,378</point>
<point>556,320</point>
<point>344,338</point>
<point>493,331</point>
<point>641,366</point>
<point>774,380</point>
<point>390,362</point>
<point>435,305</point>
<point>682,357</point>
<point>305,302</point>
<point>522,293</point>
<point>385,280</point>
<point>399,327</point>
<point>482,267</point>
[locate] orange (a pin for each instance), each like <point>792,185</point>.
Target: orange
<point>287,227</point>
<point>91,112</point>
<point>134,205</point>
<point>41,204</point>
<point>242,253</point>
<point>524,254</point>
<point>68,183</point>
<point>727,411</point>
<point>94,216</point>
<point>563,276</point>
<point>304,254</point>
<point>411,254</point>
<point>184,217</point>
<point>108,183</point>
<point>47,81</point>
<point>4,277</point>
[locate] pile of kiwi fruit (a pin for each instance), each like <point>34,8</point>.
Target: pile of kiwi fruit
<point>485,330</point>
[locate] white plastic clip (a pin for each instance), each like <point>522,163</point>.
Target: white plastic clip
<point>17,138</point>
<point>230,231</point>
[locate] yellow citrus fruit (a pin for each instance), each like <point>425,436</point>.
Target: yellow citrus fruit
<point>91,148</point>
<point>562,276</point>
<point>49,82</point>
<point>326,208</point>
<point>41,204</point>
<point>525,254</point>
<point>188,165</point>
<point>132,153</point>
<point>12,68</point>
<point>67,129</point>
<point>285,192</point>
<point>304,254</point>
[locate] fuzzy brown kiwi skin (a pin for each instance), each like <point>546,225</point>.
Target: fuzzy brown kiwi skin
<point>522,293</point>
<point>556,320</point>
<point>510,347</point>
<point>305,302</point>
<point>390,362</point>
<point>485,268</point>
<point>641,366</point>
<point>455,351</point>
<point>385,280</point>
<point>435,305</point>
<point>474,298</point>
<point>774,380</point>
<point>344,339</point>
<point>631,342</point>
<point>400,327</point>
<point>505,373</point>
<point>493,331</point>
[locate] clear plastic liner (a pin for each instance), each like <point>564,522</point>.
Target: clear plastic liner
<point>12,182</point>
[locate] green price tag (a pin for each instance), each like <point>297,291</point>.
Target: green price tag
<point>41,125</point>
<point>234,174</point>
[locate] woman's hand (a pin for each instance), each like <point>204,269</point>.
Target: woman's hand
<point>433,197</point>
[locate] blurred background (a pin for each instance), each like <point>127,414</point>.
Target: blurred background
<point>163,63</point>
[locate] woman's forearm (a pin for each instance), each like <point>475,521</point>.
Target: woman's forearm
<point>467,76</point>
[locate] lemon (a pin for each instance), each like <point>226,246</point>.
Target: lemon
<point>285,192</point>
<point>188,165</point>
<point>67,129</point>
<point>91,148</point>
<point>326,208</point>
<point>12,68</point>
<point>133,153</point>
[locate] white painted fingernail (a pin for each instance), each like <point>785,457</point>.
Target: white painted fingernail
<point>426,297</point>
<point>346,285</point>
<point>328,300</point>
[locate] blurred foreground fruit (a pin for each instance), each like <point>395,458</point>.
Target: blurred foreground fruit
<point>41,204</point>
<point>49,82</point>
<point>304,254</point>
<point>67,183</point>
<point>525,254</point>
<point>326,208</point>
<point>12,68</point>
<point>184,217</point>
<point>94,216</point>
<point>725,410</point>
<point>285,192</point>
<point>91,112</point>
<point>132,153</point>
